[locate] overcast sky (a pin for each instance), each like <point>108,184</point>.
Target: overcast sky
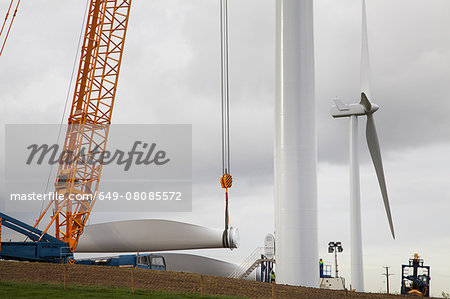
<point>170,74</point>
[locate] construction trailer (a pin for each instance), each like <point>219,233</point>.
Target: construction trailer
<point>416,278</point>
<point>327,281</point>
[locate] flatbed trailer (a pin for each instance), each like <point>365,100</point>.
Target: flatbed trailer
<point>143,261</point>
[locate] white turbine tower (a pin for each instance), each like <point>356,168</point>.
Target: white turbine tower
<point>295,151</point>
<point>365,107</point>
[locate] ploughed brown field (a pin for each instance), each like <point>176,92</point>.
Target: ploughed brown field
<point>164,281</point>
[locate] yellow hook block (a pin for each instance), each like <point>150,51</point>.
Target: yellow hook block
<point>226,181</point>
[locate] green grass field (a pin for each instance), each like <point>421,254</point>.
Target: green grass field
<point>37,290</point>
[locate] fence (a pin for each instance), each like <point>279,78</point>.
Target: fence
<point>166,281</point>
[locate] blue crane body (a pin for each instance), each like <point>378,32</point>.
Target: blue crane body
<point>42,247</point>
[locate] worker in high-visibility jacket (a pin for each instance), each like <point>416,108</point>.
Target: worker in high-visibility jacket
<point>321,267</point>
<point>272,276</point>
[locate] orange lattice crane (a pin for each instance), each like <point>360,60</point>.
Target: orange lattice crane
<point>89,120</point>
<point>87,134</point>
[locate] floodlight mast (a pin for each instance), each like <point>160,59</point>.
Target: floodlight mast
<point>335,247</point>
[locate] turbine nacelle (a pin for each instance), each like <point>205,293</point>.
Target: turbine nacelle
<point>339,109</point>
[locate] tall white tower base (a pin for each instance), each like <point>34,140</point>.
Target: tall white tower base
<point>355,209</point>
<point>296,233</point>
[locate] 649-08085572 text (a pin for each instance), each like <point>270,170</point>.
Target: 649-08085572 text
<point>151,195</point>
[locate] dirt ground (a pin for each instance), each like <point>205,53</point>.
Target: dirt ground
<point>165,281</point>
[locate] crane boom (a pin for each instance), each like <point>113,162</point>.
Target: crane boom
<point>89,120</point>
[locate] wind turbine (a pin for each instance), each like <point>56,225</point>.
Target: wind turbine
<point>364,107</point>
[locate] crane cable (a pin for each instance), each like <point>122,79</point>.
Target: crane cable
<point>226,179</point>
<point>6,18</point>
<point>69,89</point>
<point>10,24</point>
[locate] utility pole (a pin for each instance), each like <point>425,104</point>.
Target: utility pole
<point>387,277</point>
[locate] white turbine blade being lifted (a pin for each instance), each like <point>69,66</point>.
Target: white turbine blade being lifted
<point>152,235</point>
<point>375,153</point>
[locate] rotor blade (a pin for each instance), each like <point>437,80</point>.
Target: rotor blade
<point>375,153</point>
<point>365,102</point>
<point>151,235</point>
<point>365,61</point>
